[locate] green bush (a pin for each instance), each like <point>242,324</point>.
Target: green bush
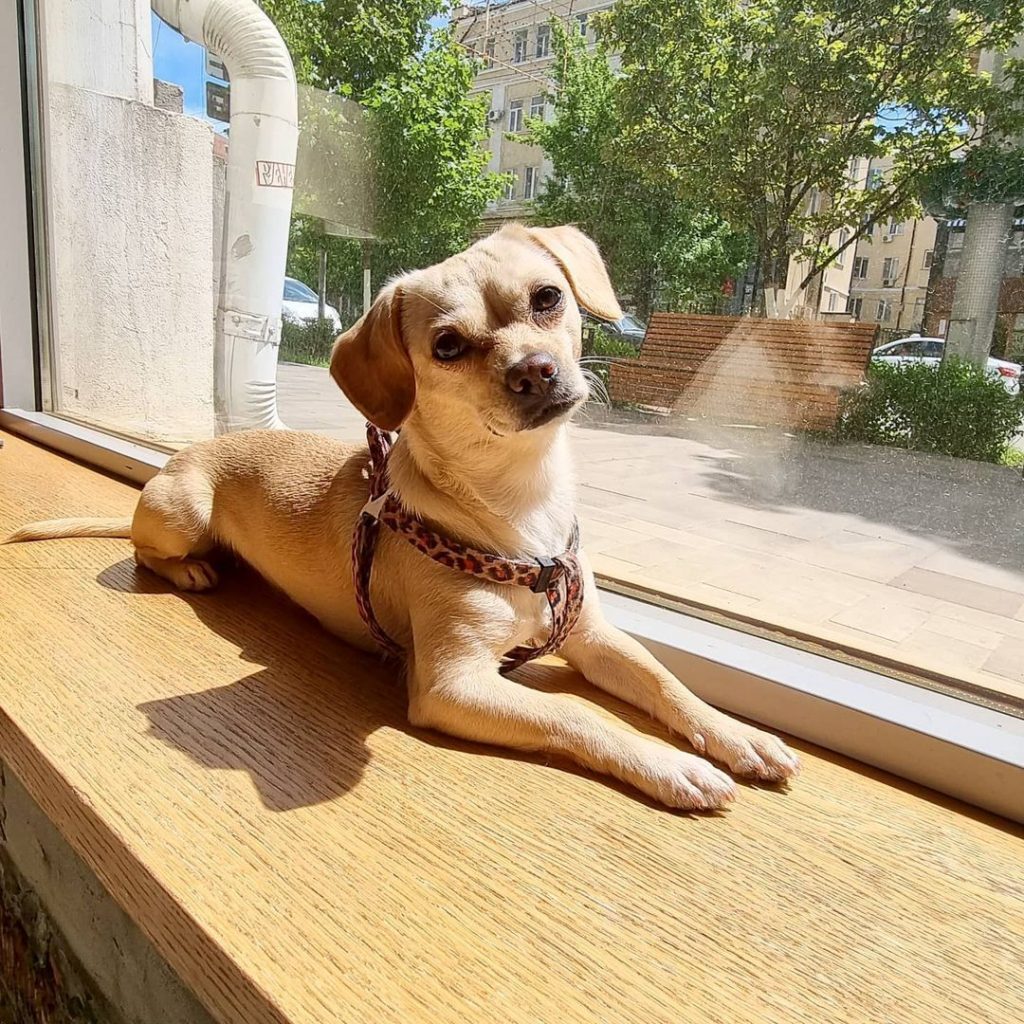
<point>954,408</point>
<point>308,342</point>
<point>600,350</point>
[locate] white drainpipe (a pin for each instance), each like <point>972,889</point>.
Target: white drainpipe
<point>257,209</point>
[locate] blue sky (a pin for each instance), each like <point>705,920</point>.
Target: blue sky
<point>177,60</point>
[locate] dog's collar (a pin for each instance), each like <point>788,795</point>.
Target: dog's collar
<point>559,578</point>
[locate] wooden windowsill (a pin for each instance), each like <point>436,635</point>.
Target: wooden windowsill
<point>247,788</point>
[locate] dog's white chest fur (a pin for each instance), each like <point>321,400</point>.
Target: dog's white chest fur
<point>531,616</point>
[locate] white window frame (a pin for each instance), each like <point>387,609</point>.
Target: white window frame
<point>855,305</point>
<point>520,36</point>
<point>581,24</point>
<point>515,116</point>
<point>510,186</point>
<point>542,48</point>
<point>970,751</point>
<point>537,107</point>
<point>890,271</point>
<point>530,175</point>
<point>844,235</point>
<point>884,307</point>
<point>860,263</point>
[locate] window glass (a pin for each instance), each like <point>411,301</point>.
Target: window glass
<point>741,453</point>
<point>515,116</point>
<point>297,291</point>
<point>519,41</point>
<point>543,40</point>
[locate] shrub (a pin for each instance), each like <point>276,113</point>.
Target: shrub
<point>954,408</point>
<point>309,342</point>
<point>600,350</point>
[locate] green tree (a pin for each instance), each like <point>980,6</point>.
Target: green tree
<point>424,133</point>
<point>759,106</point>
<point>659,249</point>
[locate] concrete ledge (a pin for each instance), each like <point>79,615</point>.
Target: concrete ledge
<point>69,954</point>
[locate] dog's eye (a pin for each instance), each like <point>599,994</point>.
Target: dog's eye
<point>545,299</point>
<point>449,346</point>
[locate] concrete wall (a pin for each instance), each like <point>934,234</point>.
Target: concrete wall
<point>102,45</point>
<point>133,241</point>
<point>81,957</point>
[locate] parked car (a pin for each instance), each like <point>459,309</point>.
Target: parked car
<point>628,329</point>
<point>917,349</point>
<point>301,304</point>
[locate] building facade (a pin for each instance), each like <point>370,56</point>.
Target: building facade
<point>1008,342</point>
<point>513,38</point>
<point>891,269</point>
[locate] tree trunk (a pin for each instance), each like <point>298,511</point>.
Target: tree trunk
<point>773,275</point>
<point>321,291</point>
<point>935,275</point>
<point>972,320</point>
<point>367,289</point>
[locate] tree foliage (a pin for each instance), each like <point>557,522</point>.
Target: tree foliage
<point>753,105</point>
<point>425,132</point>
<point>660,250</point>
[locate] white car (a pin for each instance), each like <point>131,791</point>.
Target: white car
<point>916,349</point>
<point>301,304</point>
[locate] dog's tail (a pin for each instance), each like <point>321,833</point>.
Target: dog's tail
<point>52,529</point>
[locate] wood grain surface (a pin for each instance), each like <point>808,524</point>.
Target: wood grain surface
<point>248,790</point>
<point>767,372</point>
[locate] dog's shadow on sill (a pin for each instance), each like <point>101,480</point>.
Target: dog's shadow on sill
<point>299,724</point>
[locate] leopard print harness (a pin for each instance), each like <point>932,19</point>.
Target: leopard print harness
<point>559,579</point>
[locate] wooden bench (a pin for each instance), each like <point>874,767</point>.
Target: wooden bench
<point>786,373</point>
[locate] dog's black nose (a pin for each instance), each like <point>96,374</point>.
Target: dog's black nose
<point>537,374</point>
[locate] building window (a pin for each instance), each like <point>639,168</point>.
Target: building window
<point>537,107</point>
<point>832,301</point>
<point>489,52</point>
<point>510,185</point>
<point>875,179</point>
<point>855,169</point>
<point>519,46</point>
<point>515,116</point>
<point>844,237</point>
<point>884,311</point>
<point>854,306</point>
<point>530,182</point>
<point>581,25</point>
<point>895,228</point>
<point>890,270</point>
<point>543,40</point>
<point>860,267</point>
<point>815,203</point>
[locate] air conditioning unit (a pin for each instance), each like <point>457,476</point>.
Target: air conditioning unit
<point>888,238</point>
<point>494,116</point>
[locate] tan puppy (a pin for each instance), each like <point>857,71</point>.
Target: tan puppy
<point>476,360</point>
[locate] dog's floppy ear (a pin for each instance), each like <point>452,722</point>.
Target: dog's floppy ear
<point>581,263</point>
<point>371,365</point>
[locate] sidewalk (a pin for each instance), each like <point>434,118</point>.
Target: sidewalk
<point>917,558</point>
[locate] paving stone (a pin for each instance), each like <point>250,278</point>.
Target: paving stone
<point>960,591</point>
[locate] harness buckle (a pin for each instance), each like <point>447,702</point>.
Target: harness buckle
<point>373,507</point>
<point>547,570</point>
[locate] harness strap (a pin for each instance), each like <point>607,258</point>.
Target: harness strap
<point>560,579</point>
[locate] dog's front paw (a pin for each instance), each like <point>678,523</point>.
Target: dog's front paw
<point>746,751</point>
<point>683,781</point>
